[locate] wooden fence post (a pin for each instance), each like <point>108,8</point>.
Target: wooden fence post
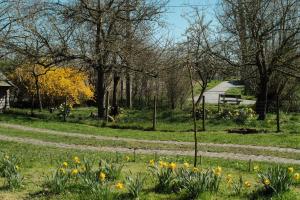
<point>65,109</point>
<point>277,114</point>
<point>154,114</point>
<point>106,105</point>
<point>203,111</point>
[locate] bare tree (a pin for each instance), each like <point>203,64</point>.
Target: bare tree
<point>97,36</point>
<point>204,63</point>
<point>264,40</point>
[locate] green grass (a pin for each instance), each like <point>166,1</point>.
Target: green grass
<point>170,120</point>
<point>139,145</point>
<point>40,162</point>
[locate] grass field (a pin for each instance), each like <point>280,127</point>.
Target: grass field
<point>40,162</point>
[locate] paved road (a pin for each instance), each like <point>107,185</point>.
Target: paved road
<point>212,95</point>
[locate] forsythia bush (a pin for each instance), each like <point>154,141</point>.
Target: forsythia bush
<point>55,83</point>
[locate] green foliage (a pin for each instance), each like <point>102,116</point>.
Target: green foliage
<point>57,183</point>
<point>112,171</point>
<point>135,185</point>
<point>240,116</point>
<point>276,180</point>
<point>196,183</point>
<point>9,169</point>
<point>237,186</point>
<point>164,176</point>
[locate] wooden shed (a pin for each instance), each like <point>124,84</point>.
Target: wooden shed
<point>5,86</point>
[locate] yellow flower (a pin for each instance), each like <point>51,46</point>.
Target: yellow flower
<point>163,164</point>
<point>6,157</point>
<point>151,162</point>
<point>195,169</point>
<point>82,168</point>
<point>62,170</point>
<point>256,168</point>
<point>290,170</point>
<point>102,176</point>
<point>266,181</point>
<point>247,184</point>
<point>229,178</point>
<point>74,172</point>
<point>65,164</point>
<point>127,158</point>
<point>172,166</point>
<point>119,186</point>
<point>218,171</point>
<point>297,176</point>
<point>17,167</point>
<point>76,160</point>
<point>186,165</point>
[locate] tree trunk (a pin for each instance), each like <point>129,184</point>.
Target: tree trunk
<point>128,91</point>
<point>200,96</point>
<point>38,94</point>
<point>100,93</point>
<point>32,105</point>
<point>115,107</point>
<point>261,103</point>
<point>121,92</point>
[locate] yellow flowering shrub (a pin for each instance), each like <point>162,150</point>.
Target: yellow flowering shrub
<point>55,84</point>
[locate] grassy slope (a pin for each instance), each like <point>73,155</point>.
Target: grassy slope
<point>289,138</point>
<point>40,162</point>
<point>140,145</point>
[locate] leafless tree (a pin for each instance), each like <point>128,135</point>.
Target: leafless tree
<point>263,36</point>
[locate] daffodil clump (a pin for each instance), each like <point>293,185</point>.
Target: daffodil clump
<point>81,172</point>
<point>276,180</point>
<point>10,170</point>
<point>240,116</point>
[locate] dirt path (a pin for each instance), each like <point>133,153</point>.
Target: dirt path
<point>230,156</point>
<point>98,137</point>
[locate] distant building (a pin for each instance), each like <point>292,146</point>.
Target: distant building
<point>5,86</point>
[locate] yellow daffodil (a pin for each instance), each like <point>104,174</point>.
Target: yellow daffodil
<point>119,186</point>
<point>229,178</point>
<point>65,164</point>
<point>62,170</point>
<point>172,166</point>
<point>74,172</point>
<point>217,171</point>
<point>290,170</point>
<point>82,168</point>
<point>151,162</point>
<point>186,165</point>
<point>296,176</point>
<point>102,176</point>
<point>76,160</point>
<point>160,163</point>
<point>247,184</point>
<point>266,182</point>
<point>163,164</point>
<point>127,158</point>
<point>256,168</point>
<point>195,169</point>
